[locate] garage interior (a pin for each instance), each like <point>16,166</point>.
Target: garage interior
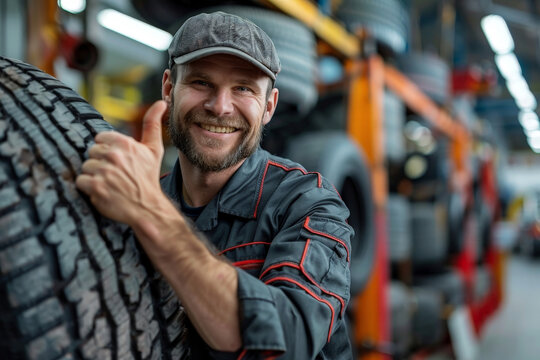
<point>438,97</point>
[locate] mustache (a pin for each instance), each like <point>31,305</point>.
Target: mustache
<point>203,117</point>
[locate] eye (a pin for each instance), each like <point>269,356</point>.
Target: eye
<point>244,89</point>
<point>201,83</point>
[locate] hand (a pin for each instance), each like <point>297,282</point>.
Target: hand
<point>121,175</point>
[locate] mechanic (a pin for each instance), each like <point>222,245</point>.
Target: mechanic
<point>256,248</point>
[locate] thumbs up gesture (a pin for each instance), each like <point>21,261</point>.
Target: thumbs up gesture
<point>121,176</point>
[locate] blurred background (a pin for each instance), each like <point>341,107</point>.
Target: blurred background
<point>422,113</point>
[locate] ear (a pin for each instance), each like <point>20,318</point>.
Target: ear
<point>166,86</point>
<point>271,104</point>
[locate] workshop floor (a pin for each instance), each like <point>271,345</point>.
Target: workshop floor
<point>514,332</point>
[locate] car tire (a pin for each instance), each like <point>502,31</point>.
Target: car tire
<point>72,283</point>
<point>427,323</point>
<point>401,314</point>
<point>429,72</point>
<point>387,21</point>
<point>429,238</point>
<point>399,228</point>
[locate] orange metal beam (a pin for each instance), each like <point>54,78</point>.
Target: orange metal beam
<point>365,126</point>
<point>420,103</point>
<point>327,29</point>
<point>43,34</point>
<point>439,119</point>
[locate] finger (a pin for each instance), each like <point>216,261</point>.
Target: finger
<point>151,128</point>
<point>84,183</point>
<point>93,166</point>
<point>99,151</point>
<point>109,137</point>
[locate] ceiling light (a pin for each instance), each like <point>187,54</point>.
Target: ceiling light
<point>534,134</point>
<point>517,86</point>
<point>508,65</point>
<point>72,6</point>
<point>534,143</point>
<point>497,34</point>
<point>134,29</point>
<point>529,120</point>
<point>526,101</point>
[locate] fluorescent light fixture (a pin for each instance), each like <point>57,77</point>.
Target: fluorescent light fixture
<point>517,86</point>
<point>526,101</point>
<point>134,29</point>
<point>529,120</point>
<point>497,34</point>
<point>533,134</point>
<point>72,6</point>
<point>534,143</point>
<point>508,65</point>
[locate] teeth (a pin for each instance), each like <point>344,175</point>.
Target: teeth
<point>218,129</point>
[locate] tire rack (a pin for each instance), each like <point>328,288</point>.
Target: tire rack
<point>368,76</point>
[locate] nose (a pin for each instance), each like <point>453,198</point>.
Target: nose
<point>219,102</point>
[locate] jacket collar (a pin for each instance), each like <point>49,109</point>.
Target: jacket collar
<point>238,197</point>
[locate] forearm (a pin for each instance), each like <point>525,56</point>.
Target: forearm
<point>205,284</point>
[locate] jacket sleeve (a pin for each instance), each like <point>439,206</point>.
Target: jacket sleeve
<point>298,301</point>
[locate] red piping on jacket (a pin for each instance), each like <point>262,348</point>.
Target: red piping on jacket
<point>242,354</point>
<point>328,236</point>
<point>283,278</point>
<point>315,283</point>
<point>249,264</point>
<point>268,354</point>
<point>270,162</point>
<point>304,272</point>
<point>242,245</point>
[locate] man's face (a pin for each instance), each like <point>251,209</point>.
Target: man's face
<point>219,107</point>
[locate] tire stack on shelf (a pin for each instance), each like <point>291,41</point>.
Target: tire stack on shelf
<point>385,21</point>
<point>435,215</point>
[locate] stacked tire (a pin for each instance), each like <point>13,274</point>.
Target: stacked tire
<point>386,21</point>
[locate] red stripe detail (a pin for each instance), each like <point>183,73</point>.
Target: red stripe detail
<point>166,174</point>
<point>242,245</point>
<point>283,278</point>
<point>304,272</point>
<point>306,226</point>
<point>261,190</point>
<point>249,264</point>
<point>242,354</point>
<point>315,283</point>
<point>278,265</point>
<point>268,354</point>
<point>337,192</point>
<point>283,167</point>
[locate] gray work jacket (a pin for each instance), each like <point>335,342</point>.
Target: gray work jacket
<point>285,231</point>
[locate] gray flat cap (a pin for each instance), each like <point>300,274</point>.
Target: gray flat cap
<point>221,33</point>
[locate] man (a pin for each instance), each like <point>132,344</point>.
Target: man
<point>256,249</point>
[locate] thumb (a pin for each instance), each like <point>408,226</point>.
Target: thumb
<point>151,126</point>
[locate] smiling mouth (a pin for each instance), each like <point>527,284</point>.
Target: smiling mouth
<point>218,129</point>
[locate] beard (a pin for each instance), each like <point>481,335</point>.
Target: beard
<point>184,141</point>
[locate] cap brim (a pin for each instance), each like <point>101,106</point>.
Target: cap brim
<point>197,54</point>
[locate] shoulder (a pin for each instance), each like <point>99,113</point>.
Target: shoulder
<point>288,186</point>
<point>294,174</point>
